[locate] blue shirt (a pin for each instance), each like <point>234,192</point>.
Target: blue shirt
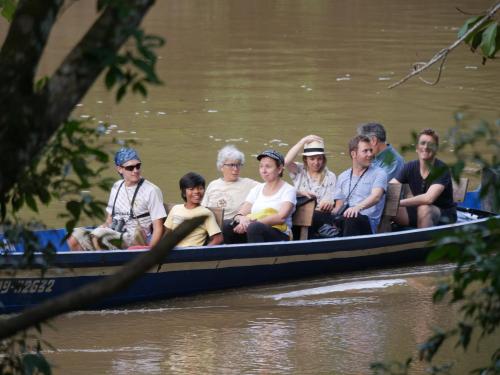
<point>390,161</point>
<point>374,177</point>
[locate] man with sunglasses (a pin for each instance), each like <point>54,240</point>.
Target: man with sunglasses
<point>430,184</point>
<point>135,211</point>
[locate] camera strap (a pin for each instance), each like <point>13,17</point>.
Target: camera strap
<point>141,181</point>
<point>116,197</point>
<point>355,185</point>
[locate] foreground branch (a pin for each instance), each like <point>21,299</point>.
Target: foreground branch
<point>441,55</point>
<point>29,118</point>
<point>93,292</point>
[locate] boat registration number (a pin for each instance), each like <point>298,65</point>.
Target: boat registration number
<point>27,286</point>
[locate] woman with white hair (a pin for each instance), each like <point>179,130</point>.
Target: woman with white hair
<point>230,190</point>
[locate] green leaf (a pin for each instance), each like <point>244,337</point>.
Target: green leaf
<point>44,196</point>
<point>74,208</point>
<point>36,364</point>
<point>30,201</point>
<point>121,92</point>
<point>437,254</point>
<point>488,41</point>
<point>110,78</point>
<point>8,8</point>
<point>139,87</point>
<point>40,84</point>
<point>468,25</point>
<point>17,202</point>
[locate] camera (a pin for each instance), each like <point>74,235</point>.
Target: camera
<point>118,225</point>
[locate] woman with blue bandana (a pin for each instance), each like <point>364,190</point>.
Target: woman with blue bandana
<point>135,211</point>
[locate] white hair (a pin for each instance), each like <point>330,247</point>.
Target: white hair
<point>229,152</point>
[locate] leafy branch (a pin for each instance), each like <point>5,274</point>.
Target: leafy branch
<point>474,285</point>
<point>480,31</point>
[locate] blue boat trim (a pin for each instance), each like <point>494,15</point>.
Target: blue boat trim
<point>193,270</point>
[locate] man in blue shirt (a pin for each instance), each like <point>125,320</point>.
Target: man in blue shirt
<point>362,188</point>
<point>386,157</point>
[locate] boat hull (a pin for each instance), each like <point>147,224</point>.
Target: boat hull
<point>194,270</point>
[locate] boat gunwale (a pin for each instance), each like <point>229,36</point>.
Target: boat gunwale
<point>223,252</point>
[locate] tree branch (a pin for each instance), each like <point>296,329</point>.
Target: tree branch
<point>23,47</point>
<point>441,55</point>
<point>92,293</point>
<point>31,119</point>
<point>91,55</point>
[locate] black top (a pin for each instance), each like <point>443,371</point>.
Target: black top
<point>410,174</point>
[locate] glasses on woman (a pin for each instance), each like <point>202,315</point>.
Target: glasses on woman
<point>130,168</point>
<point>233,166</point>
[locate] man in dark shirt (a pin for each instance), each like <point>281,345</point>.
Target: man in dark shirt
<point>432,201</point>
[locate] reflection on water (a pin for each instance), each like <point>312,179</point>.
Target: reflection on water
<point>358,318</point>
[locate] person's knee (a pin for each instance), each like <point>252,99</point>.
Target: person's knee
<point>428,214</point>
<point>79,239</point>
<point>424,210</point>
<point>255,227</point>
<point>73,244</point>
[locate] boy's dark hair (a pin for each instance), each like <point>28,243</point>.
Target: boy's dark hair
<point>190,180</point>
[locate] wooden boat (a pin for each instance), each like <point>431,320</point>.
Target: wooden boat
<point>199,269</point>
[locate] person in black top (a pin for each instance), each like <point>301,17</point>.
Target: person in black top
<point>430,183</point>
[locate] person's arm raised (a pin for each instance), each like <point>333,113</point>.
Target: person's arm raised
<point>292,153</point>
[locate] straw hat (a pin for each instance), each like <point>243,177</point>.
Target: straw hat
<point>314,148</point>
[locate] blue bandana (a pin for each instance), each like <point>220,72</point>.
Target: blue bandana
<point>125,154</point>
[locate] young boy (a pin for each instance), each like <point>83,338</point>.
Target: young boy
<point>192,187</point>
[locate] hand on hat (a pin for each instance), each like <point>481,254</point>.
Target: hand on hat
<point>311,138</point>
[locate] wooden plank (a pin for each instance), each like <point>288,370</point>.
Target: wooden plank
<point>303,218</point>
<point>392,198</point>
<point>459,189</point>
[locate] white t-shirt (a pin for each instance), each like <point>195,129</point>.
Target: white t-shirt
<point>259,201</point>
<point>228,195</point>
<point>149,199</point>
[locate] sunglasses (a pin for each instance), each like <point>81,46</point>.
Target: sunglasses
<point>431,145</point>
<point>130,168</point>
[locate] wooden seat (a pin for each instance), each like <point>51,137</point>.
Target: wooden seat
<point>392,198</point>
<point>460,189</point>
<point>303,217</point>
<point>217,211</point>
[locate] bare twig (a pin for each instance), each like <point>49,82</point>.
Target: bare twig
<point>92,293</point>
<point>441,55</point>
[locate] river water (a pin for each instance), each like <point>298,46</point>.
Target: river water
<point>262,74</point>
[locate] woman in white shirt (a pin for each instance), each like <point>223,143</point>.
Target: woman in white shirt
<point>266,214</point>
